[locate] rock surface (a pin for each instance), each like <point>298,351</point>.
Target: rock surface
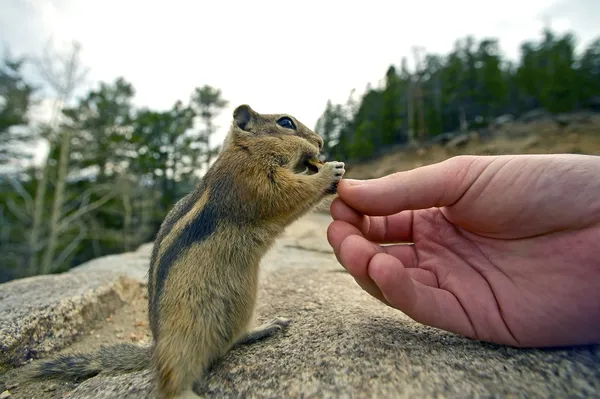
<point>41,314</point>
<point>341,343</point>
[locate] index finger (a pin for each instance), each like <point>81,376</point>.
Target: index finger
<point>435,185</point>
<point>380,229</point>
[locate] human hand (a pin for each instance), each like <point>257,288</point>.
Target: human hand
<point>504,248</point>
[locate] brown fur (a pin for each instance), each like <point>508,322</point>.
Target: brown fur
<point>203,274</point>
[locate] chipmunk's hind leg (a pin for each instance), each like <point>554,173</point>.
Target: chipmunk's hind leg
<point>263,331</point>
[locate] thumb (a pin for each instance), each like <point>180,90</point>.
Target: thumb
<point>436,185</point>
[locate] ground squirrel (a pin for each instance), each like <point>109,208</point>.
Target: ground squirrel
<point>202,281</point>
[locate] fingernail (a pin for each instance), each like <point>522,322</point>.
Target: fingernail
<point>353,182</point>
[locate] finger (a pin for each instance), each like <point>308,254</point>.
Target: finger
<point>436,185</point>
<point>427,305</point>
<point>354,253</point>
<point>381,229</point>
<point>338,231</point>
<point>340,211</point>
<point>371,289</point>
<point>357,251</point>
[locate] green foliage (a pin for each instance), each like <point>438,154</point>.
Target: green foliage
<point>328,125</point>
<point>467,88</point>
<point>391,124</point>
<point>125,169</point>
<point>166,154</point>
<point>15,102</point>
<point>589,74</point>
<point>207,103</point>
<point>101,126</point>
<point>367,124</point>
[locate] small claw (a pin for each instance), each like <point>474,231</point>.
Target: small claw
<point>280,321</point>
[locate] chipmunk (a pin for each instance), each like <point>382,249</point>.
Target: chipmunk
<point>203,275</point>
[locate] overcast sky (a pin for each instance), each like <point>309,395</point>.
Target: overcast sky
<point>276,56</point>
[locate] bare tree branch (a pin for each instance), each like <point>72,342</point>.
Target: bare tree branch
<point>66,252</point>
<point>45,66</point>
<point>23,193</point>
<point>65,81</point>
<point>41,244</point>
<point>82,211</point>
<point>64,84</point>
<point>14,208</point>
<point>4,228</point>
<point>85,197</point>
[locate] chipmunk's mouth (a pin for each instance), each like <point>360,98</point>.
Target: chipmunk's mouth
<point>308,165</point>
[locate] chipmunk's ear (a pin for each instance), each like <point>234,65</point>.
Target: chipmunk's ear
<point>243,115</point>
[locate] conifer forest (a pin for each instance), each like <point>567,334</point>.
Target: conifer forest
<point>113,170</point>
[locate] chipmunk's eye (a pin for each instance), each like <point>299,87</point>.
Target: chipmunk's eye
<point>286,123</point>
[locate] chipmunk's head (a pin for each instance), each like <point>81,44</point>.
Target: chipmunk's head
<point>261,129</point>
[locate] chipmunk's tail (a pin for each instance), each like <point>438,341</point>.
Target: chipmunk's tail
<point>124,357</point>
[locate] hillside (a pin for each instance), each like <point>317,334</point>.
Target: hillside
<point>570,133</point>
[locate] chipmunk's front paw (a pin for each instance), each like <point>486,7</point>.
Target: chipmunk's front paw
<point>335,171</point>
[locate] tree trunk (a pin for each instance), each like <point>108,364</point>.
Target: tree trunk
<point>127,222</point>
<point>410,110</point>
<point>34,236</point>
<point>47,265</point>
<point>463,120</point>
<point>40,195</point>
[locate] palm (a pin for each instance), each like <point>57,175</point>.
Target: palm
<point>494,289</point>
